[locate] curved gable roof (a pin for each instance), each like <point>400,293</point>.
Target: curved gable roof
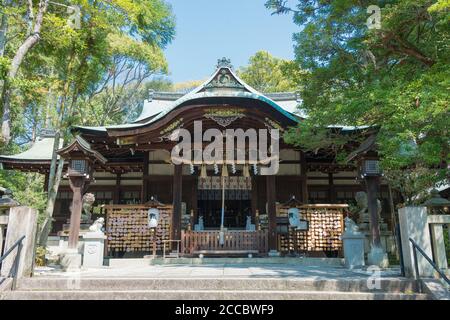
<point>224,83</point>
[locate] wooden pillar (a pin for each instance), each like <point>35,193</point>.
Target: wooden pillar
<point>144,186</point>
<point>194,200</point>
<point>77,185</point>
<point>254,200</point>
<point>116,195</point>
<point>372,188</point>
<point>304,178</point>
<point>177,192</point>
<point>331,188</point>
<point>271,208</point>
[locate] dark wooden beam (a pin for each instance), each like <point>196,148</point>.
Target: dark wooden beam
<point>272,211</point>
<point>304,178</point>
<point>116,196</point>
<point>254,200</point>
<point>77,185</point>
<point>144,188</point>
<point>372,190</point>
<point>331,188</point>
<point>177,192</point>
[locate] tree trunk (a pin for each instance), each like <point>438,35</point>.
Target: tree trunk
<point>46,226</point>
<point>53,163</point>
<point>3,32</point>
<point>26,46</point>
<point>53,185</point>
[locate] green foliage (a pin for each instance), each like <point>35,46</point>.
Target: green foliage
<point>40,257</point>
<point>4,66</point>
<point>27,189</point>
<point>265,73</point>
<point>396,78</point>
<point>75,75</point>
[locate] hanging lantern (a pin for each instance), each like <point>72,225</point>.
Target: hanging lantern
<point>203,173</point>
<point>79,167</point>
<point>369,166</point>
<point>224,170</point>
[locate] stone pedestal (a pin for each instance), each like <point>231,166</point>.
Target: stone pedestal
<point>353,250</point>
<point>386,238</point>
<point>71,260</point>
<point>22,221</point>
<point>273,253</point>
<point>378,257</point>
<point>436,224</point>
<point>94,244</point>
<point>414,224</point>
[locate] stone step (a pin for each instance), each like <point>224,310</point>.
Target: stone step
<point>301,261</point>
<point>388,285</point>
<point>205,295</point>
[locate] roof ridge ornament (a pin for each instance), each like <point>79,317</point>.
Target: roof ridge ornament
<point>224,63</point>
<point>224,79</point>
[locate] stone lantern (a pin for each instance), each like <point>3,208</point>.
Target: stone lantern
<point>437,204</point>
<point>370,172</point>
<point>6,203</point>
<point>81,159</point>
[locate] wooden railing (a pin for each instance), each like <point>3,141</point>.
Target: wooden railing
<point>192,241</point>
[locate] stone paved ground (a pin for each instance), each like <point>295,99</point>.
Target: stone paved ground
<point>223,271</point>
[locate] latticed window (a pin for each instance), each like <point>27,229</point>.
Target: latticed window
<point>79,166</point>
<point>371,167</point>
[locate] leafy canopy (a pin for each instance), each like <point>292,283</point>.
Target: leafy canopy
<point>396,77</point>
<point>266,73</point>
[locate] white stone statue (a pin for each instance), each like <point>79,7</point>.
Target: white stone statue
<point>362,208</point>
<point>295,221</point>
<point>351,227</point>
<point>97,226</point>
<point>87,203</point>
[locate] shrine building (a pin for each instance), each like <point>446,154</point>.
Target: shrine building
<point>210,208</point>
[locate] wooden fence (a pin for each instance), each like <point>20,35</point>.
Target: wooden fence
<point>192,241</point>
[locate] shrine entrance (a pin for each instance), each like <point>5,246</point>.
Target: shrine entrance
<point>237,208</point>
<point>237,204</point>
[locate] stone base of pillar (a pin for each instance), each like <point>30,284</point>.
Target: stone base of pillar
<point>71,260</point>
<point>377,257</point>
<point>273,253</point>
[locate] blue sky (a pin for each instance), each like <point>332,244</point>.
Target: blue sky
<point>207,30</point>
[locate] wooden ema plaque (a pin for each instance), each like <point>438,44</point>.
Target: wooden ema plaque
<point>326,225</point>
<point>127,228</point>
